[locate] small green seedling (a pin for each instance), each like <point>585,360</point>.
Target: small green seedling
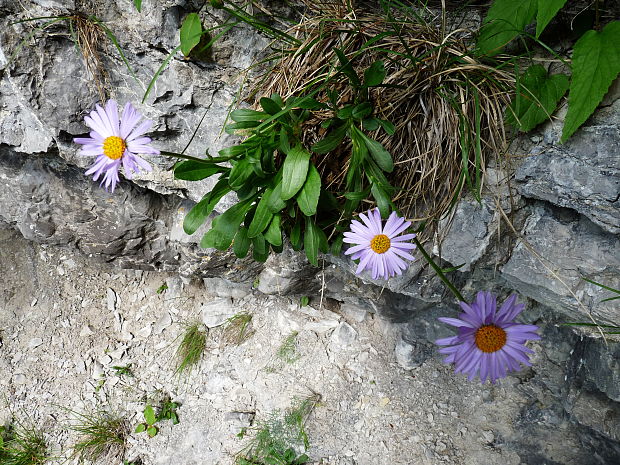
<point>123,370</point>
<point>162,288</point>
<point>167,411</point>
<point>149,422</point>
<point>304,301</point>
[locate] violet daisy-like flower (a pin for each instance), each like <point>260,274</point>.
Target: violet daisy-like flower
<point>489,342</point>
<point>116,142</point>
<point>378,248</point>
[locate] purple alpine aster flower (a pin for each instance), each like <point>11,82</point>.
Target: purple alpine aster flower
<point>489,342</point>
<point>380,249</point>
<point>114,142</point>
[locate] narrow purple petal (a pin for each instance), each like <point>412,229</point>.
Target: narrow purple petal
<point>141,129</point>
<point>105,120</point>
<point>400,229</point>
<point>402,253</point>
<point>355,249</point>
<point>96,125</point>
<point>447,341</point>
<point>84,140</point>
<point>111,109</point>
<point>363,262</point>
<point>129,120</point>
<point>454,322</point>
<point>392,223</point>
<point>403,238</point>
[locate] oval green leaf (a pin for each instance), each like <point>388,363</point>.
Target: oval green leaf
<point>191,30</point>
<point>308,197</point>
<point>242,242</point>
<point>294,171</point>
<point>191,170</point>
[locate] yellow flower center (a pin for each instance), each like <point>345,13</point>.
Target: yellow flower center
<point>380,243</point>
<point>490,338</point>
<point>114,147</point>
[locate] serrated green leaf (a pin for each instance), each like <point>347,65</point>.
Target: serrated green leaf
<point>151,431</point>
<point>149,415</point>
<point>191,170</point>
<point>199,213</point>
<point>273,235</point>
<point>242,242</point>
<point>536,99</point>
<point>547,9</point>
<point>138,5</point>
<point>381,156</point>
<point>375,74</point>
<point>225,226</point>
<point>596,63</point>
<point>262,216</point>
<point>242,115</point>
<point>331,141</point>
<point>294,171</point>
<point>505,20</point>
<point>308,196</point>
<point>191,30</point>
<point>141,428</point>
<point>311,241</point>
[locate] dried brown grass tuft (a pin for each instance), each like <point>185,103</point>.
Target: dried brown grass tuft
<point>443,94</point>
<point>90,38</point>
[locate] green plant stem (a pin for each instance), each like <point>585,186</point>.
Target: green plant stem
<point>189,157</point>
<point>438,270</point>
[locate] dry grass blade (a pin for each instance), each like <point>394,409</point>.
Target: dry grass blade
<point>447,107</point>
<point>90,37</point>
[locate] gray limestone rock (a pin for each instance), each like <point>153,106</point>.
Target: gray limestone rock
<point>583,173</point>
<point>573,248</point>
<point>52,202</point>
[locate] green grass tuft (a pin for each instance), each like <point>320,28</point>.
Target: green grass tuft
<point>277,439</point>
<point>191,348</point>
<point>103,436</point>
<point>22,446</point>
<point>287,352</point>
<point>237,329</point>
